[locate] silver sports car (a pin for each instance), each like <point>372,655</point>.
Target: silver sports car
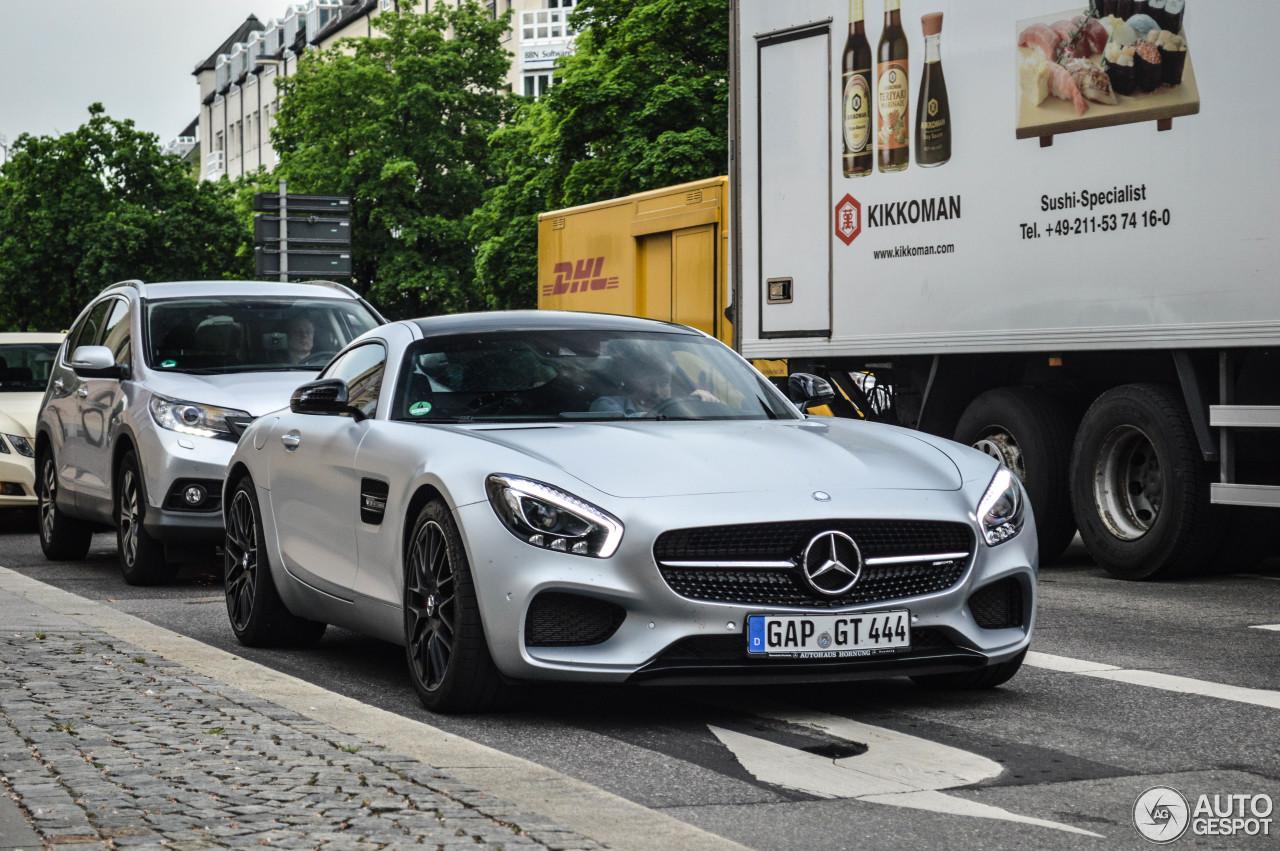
<point>542,495</point>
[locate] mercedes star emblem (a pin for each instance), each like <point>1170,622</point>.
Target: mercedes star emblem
<point>832,563</point>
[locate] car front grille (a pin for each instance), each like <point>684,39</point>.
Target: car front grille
<point>757,564</point>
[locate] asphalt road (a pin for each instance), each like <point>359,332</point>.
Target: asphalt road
<point>1132,686</point>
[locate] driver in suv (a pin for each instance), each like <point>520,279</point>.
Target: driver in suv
<point>148,395</point>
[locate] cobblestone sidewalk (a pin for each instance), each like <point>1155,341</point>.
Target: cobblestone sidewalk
<point>104,747</point>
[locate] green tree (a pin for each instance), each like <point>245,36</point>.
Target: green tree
<point>643,103</point>
<point>401,123</point>
<point>98,205</point>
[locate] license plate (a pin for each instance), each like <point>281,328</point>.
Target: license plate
<point>828,636</point>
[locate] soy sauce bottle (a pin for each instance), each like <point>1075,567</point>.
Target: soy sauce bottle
<point>893,141</point>
<point>933,112</point>
<point>855,108</point>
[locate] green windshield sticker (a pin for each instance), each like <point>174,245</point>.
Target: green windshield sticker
<point>419,409</point>
<point>168,363</point>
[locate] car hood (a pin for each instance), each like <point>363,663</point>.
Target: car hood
<point>18,412</point>
<point>257,393</point>
<point>682,458</point>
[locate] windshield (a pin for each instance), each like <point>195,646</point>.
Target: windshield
<point>580,375</point>
<point>210,335</point>
<point>24,367</point>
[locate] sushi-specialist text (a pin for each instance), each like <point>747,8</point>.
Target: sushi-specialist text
<point>1088,199</point>
<point>1097,224</point>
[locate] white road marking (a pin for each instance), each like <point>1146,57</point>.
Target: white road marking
<point>897,769</point>
<point>1274,627</point>
<point>1152,679</point>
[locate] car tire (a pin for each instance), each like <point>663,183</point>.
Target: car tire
<point>62,538</point>
<point>1030,433</point>
<point>988,677</point>
<point>1140,486</point>
<point>448,655</point>
<point>259,618</point>
<point>142,558</point>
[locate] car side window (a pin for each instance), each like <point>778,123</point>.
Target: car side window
<point>117,332</point>
<point>90,330</point>
<point>362,369</point>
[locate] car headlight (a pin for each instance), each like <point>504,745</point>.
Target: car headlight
<point>1001,511</point>
<point>190,418</point>
<point>21,444</point>
<point>552,519</point>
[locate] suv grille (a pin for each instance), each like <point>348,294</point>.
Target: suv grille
<point>920,557</point>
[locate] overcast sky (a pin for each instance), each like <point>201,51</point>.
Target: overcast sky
<point>133,56</point>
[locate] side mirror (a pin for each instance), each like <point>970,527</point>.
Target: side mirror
<point>806,391</point>
<point>326,396</point>
<point>97,362</point>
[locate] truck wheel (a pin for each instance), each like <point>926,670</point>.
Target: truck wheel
<point>1030,433</point>
<point>1140,486</point>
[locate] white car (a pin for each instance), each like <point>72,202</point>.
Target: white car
<point>25,362</point>
<point>545,495</point>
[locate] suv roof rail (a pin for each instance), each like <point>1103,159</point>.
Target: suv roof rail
<point>333,285</point>
<point>132,282</point>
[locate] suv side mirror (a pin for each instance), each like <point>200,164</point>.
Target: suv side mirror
<point>806,390</point>
<point>97,362</point>
<point>326,396</point>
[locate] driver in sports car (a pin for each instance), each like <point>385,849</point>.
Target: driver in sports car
<point>647,382</point>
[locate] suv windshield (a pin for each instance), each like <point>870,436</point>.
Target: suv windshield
<point>580,375</point>
<point>24,367</point>
<point>210,335</point>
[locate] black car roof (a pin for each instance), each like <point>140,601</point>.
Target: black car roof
<point>540,320</point>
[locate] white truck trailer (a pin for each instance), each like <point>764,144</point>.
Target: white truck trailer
<point>1072,266</point>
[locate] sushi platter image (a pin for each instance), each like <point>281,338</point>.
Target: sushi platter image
<point>1113,62</point>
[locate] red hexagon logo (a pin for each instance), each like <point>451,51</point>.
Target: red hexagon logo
<point>848,219</point>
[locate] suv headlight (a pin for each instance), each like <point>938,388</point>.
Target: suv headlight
<point>552,519</point>
<point>1001,511</point>
<point>21,444</point>
<point>190,418</point>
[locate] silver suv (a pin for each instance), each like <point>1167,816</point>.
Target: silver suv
<point>148,395</point>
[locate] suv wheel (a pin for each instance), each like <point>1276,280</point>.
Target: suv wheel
<point>62,538</point>
<point>141,556</point>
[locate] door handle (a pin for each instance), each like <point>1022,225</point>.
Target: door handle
<point>83,392</point>
<point>291,441</point>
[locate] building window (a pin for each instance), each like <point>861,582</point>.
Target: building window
<point>217,141</point>
<point>536,85</point>
<point>543,24</point>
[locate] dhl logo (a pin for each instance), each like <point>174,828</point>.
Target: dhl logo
<point>580,277</point>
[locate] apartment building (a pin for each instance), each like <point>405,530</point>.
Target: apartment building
<point>237,82</point>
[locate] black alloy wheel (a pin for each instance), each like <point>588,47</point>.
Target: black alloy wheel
<point>259,618</point>
<point>62,538</point>
<point>430,606</point>
<point>448,654</point>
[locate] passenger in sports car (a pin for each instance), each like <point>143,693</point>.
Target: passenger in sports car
<point>646,379</point>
